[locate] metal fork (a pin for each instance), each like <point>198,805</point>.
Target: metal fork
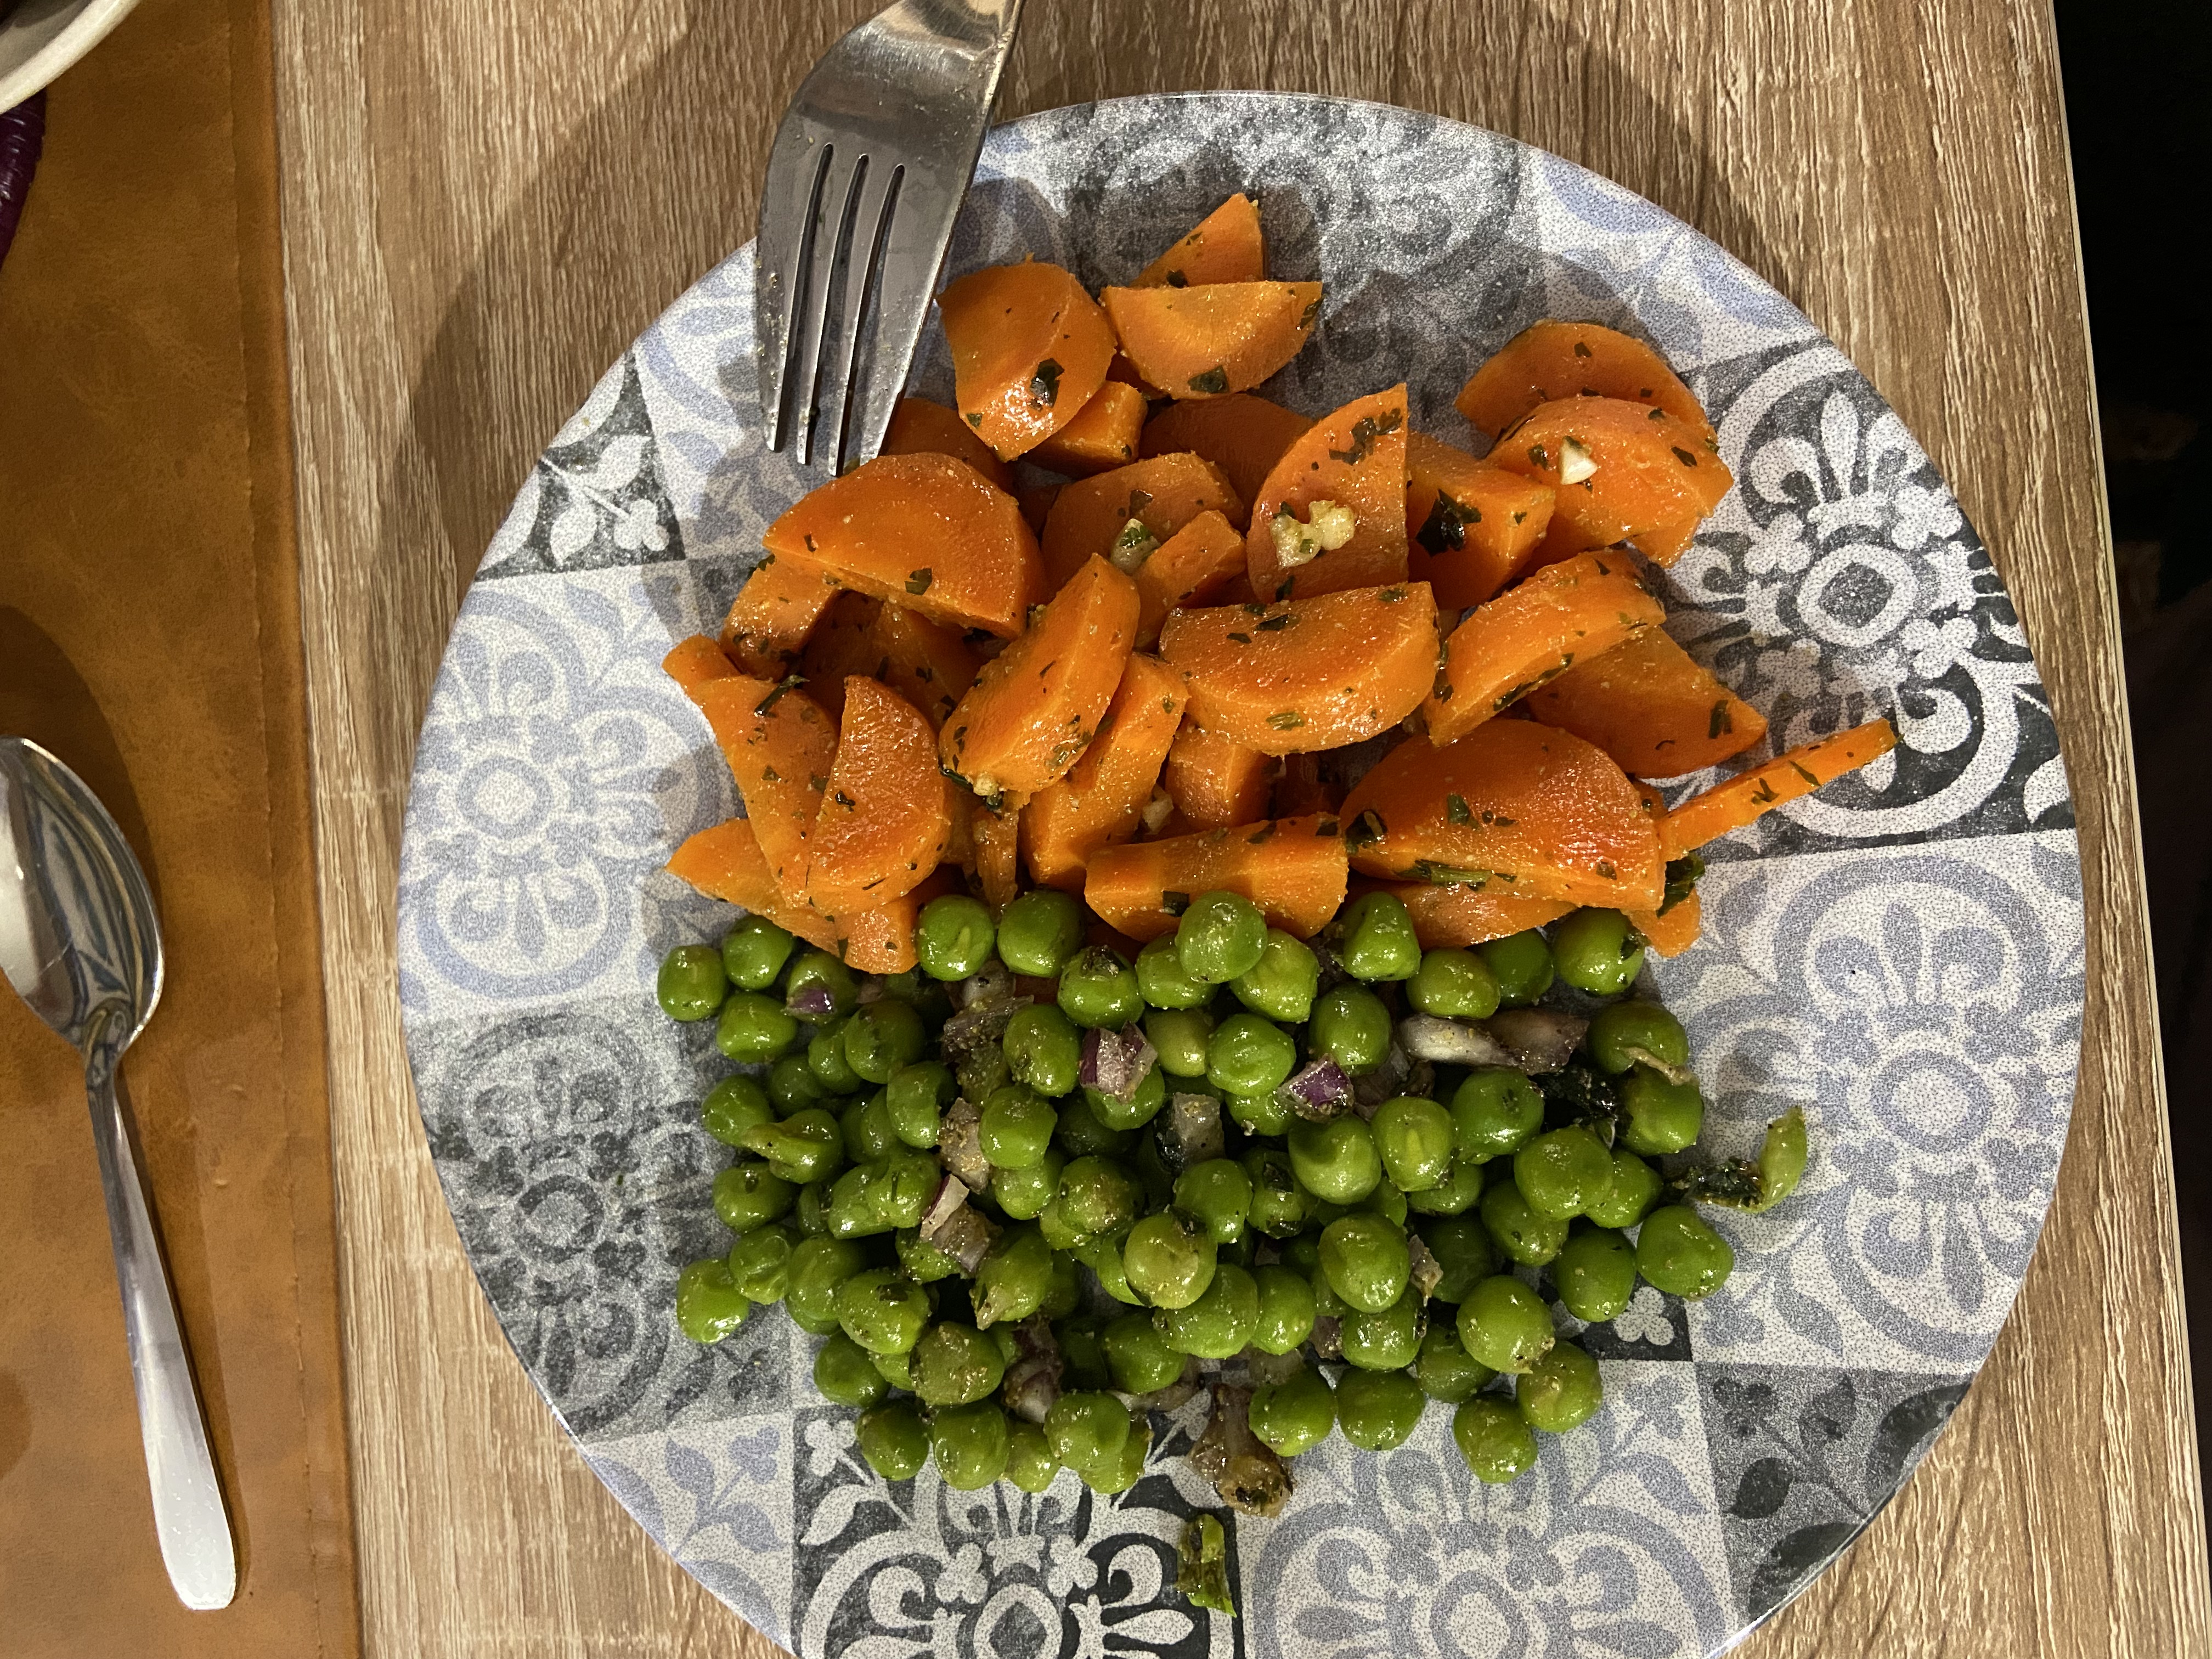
<point>864,182</point>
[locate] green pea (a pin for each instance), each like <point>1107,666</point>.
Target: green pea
<point>881,1036</point>
<point>1781,1157</point>
<point>1260,1115</point>
<point>895,1369</point>
<point>1625,1032</point>
<point>1044,1050</point>
<point>754,1029</point>
<point>1597,951</point>
<point>1138,1356</point>
<point>866,1126</point>
<point>1560,1391</point>
<point>1161,977</point>
<point>1522,964</point>
<point>1218,1194</point>
<point>1445,1370</point>
<point>1367,1261</point>
<point>818,1269</point>
<point>1463,1253</point>
<point>1023,1193</point>
<point>921,993</point>
<point>1455,1194</point>
<point>1678,1252</point>
<point>1335,1159</point>
<point>1328,1305</point>
<point>1351,1026</point>
<point>1086,1430</point>
<point>1014,1278</point>
<point>1278,1203</point>
<point>1058,1231</point>
<point>1386,1201</point>
<point>1562,1172</point>
<point>1030,1463</point>
<point>1098,989</point>
<point>754,952</point>
<point>915,1098</point>
<point>1220,936</point>
<point>1498,1447</point>
<point>1126,1471</point>
<point>820,970</point>
<point>709,1306</point>
<point>971,1444</point>
<point>1636,1187</point>
<point>1286,1309</point>
<point>792,1086</point>
<point>1387,1341</point>
<point>1169,1259</point>
<point>1099,1196</point>
<point>691,984</point>
<point>955,1364</point>
<point>1505,1325</point>
<point>1133,1113</point>
<point>1378,938</point>
<point>1103,1257</point>
<point>1303,1252</point>
<point>882,1311</point>
<point>1220,1322</point>
<point>1017,1127</point>
<point>1519,1232</point>
<point>1282,984</point>
<point>747,1194</point>
<point>808,1145</point>
<point>1595,1274</point>
<point>810,1211</point>
<point>1082,1352</point>
<point>922,1261</point>
<point>845,1374</point>
<point>952,936</point>
<point>1454,984</point>
<point>1294,1415</point>
<point>1179,1036</point>
<point>733,1106</point>
<point>760,1263</point>
<point>1663,1117</point>
<point>825,1058</point>
<point>1082,1133</point>
<point>1378,1410</point>
<point>894,1439</point>
<point>1415,1139</point>
<point>1040,931</point>
<point>1495,1111</point>
<point>1250,1056</point>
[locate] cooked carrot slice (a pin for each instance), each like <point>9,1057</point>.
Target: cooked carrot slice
<point>1512,807</point>
<point>1215,783</point>
<point>1293,868</point>
<point>881,941</point>
<point>1101,800</point>
<point>1030,348</point>
<point>1473,527</point>
<point>1355,461</point>
<point>1225,247</point>
<point>1303,787</point>
<point>780,745</point>
<point>1306,674</point>
<point>1036,706</point>
<point>1750,795</point>
<point>926,531</point>
<point>1203,342</point>
<point>919,426</point>
<point>1667,542</point>
<point>725,862</point>
<point>1674,930</point>
<point>1163,494</point>
<point>883,818</point>
<point>928,665</point>
<point>1620,469</point>
<point>1103,434</point>
<point>1122,372</point>
<point>775,612</point>
<point>995,835</point>
<point>1565,614</point>
<point>1649,704</point>
<point>1195,566</point>
<point>1550,361</point>
<point>1036,505</point>
<point>1446,916</point>
<point>841,646</point>
<point>692,663</point>
<point>1242,434</point>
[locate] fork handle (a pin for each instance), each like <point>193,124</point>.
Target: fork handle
<point>189,1517</point>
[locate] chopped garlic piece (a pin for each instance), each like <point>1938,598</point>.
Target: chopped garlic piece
<point>1576,462</point>
<point>1157,811</point>
<point>1329,526</point>
<point>985,785</point>
<point>1132,547</point>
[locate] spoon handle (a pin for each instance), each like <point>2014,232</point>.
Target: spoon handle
<point>189,1517</point>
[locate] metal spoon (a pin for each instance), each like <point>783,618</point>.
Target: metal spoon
<point>80,942</point>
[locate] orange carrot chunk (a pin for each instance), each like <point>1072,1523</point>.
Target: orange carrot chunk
<point>1621,468</point>
<point>692,663</point>
<point>1091,518</point>
<point>1193,566</point>
<point>1306,674</point>
<point>1473,526</point>
<point>1649,704</point>
<point>1512,807</point>
<point>1203,342</point>
<point>1242,434</point>
<point>1036,505</point>
<point>1225,247</point>
<point>881,940</point>
<point>1103,434</point>
<point>928,665</point>
<point>1293,868</point>
<point>775,612</point>
<point>1030,348</point>
<point>1667,543</point>
<point>1035,707</point>
<point>1674,930</point>
<point>1447,916</point>
<point>883,818</point>
<point>1565,614</point>
<point>1101,801</point>
<point>841,646</point>
<point>1215,783</point>
<point>1750,795</point>
<point>725,862</point>
<point>780,746</point>
<point>995,833</point>
<point>919,426</point>
<point>1550,361</point>
<point>921,530</point>
<point>1332,514</point>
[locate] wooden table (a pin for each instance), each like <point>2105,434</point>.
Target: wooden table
<point>485,200</point>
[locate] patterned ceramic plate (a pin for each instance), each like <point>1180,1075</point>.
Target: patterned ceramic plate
<point>1902,955</point>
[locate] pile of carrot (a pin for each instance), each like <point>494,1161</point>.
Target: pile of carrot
<point>1130,684</point>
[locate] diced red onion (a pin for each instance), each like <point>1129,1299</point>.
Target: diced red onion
<point>1538,1039</point>
<point>1428,1273</point>
<point>1032,1384</point>
<point>960,1145</point>
<point>1425,1036</point>
<point>952,1194</point>
<point>1320,1091</point>
<point>1327,1338</point>
<point>1116,1063</point>
<point>967,1236</point>
<point>810,1002</point>
<point>1193,1133</point>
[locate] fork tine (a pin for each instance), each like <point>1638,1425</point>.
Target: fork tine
<point>872,228</point>
<point>790,205</point>
<point>825,319</point>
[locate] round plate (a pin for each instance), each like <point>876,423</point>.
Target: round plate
<point>1901,955</point>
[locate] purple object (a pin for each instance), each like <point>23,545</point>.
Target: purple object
<point>1116,1063</point>
<point>1319,1092</point>
<point>22,136</point>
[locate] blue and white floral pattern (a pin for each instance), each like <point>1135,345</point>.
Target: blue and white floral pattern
<point>1900,956</point>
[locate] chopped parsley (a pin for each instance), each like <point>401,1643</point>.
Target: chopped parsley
<point>918,581</point>
<point>1044,384</point>
<point>1366,431</point>
<point>1214,381</point>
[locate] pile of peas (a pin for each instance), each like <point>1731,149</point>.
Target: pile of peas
<point>1300,1228</point>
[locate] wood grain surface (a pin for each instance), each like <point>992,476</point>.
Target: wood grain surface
<point>486,200</point>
